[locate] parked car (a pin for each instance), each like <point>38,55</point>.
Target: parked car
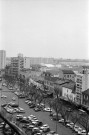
<point>36,109</point>
<point>4,84</point>
<point>26,101</point>
<point>30,127</point>
<point>32,106</point>
<point>61,121</point>
<point>13,98</point>
<point>3,105</point>
<point>21,110</point>
<point>70,125</point>
<point>55,117</point>
<point>3,96</point>
<point>10,88</point>
<point>13,104</point>
<point>21,96</point>
<point>47,109</point>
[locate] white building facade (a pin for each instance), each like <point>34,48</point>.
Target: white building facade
<point>26,62</point>
<point>68,94</point>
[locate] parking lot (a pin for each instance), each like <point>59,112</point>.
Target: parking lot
<point>41,116</point>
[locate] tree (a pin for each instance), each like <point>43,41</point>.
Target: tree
<point>84,121</point>
<point>49,101</point>
<point>56,92</point>
<point>56,104</point>
<point>65,112</point>
<point>74,116</point>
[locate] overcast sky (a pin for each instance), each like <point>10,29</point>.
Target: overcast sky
<point>46,28</point>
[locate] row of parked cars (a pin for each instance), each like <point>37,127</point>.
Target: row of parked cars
<point>37,107</point>
<point>34,126</point>
<point>9,87</point>
<point>13,108</point>
<point>40,107</point>
<point>75,128</point>
<point>20,94</point>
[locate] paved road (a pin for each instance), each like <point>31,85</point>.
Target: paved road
<point>42,116</point>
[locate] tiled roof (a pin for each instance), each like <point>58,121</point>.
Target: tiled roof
<point>86,92</point>
<point>54,71</point>
<point>67,71</point>
<point>87,67</point>
<point>53,79</point>
<point>70,85</point>
<point>40,81</point>
<point>62,81</point>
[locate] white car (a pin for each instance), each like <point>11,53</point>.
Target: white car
<point>26,101</point>
<point>21,109</point>
<point>61,121</point>
<point>44,126</point>
<point>10,88</point>
<point>13,99</point>
<point>71,125</point>
<point>47,109</point>
<point>4,84</point>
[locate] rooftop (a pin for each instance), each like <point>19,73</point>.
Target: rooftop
<point>67,71</point>
<point>86,92</point>
<point>54,71</point>
<point>53,79</point>
<point>71,85</point>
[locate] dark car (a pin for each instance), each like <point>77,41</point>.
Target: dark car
<point>21,96</point>
<point>3,105</point>
<point>24,121</point>
<point>32,106</point>
<point>45,130</point>
<point>39,123</point>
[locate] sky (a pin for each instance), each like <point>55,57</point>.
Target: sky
<point>45,28</point>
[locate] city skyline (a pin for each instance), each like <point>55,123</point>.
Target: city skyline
<point>57,29</point>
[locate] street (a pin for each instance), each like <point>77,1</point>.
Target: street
<point>42,116</point>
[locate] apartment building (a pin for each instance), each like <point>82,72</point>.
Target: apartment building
<point>2,59</point>
<point>82,84</point>
<point>16,65</point>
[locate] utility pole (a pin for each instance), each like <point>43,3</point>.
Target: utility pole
<point>19,90</point>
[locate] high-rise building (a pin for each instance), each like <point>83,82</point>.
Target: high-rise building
<point>16,65</point>
<point>2,59</point>
<point>82,84</point>
<point>20,55</point>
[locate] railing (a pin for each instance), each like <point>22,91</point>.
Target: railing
<point>15,128</point>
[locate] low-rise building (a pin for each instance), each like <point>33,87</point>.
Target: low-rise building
<point>85,98</point>
<point>68,91</point>
<point>68,74</point>
<point>63,74</point>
